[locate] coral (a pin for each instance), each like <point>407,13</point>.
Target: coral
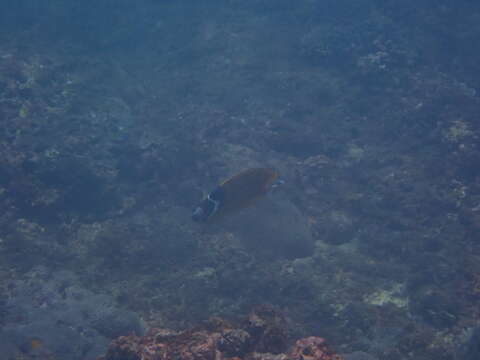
<point>47,313</point>
<point>312,348</point>
<point>110,133</point>
<point>268,330</point>
<point>391,296</point>
<point>359,355</point>
<point>470,350</point>
<point>458,131</point>
<point>262,338</point>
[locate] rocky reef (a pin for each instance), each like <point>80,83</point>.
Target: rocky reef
<point>262,336</point>
<point>116,118</point>
<point>48,315</point>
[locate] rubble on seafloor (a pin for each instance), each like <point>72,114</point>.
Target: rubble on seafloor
<point>262,336</point>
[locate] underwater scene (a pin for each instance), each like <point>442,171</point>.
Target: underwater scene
<point>239,180</point>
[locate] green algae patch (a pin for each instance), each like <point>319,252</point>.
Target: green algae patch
<point>391,296</point>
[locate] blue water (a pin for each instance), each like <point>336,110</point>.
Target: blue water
<point>118,117</point>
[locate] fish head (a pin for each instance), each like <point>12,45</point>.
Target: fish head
<point>208,206</point>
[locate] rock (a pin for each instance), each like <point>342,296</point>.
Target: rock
<point>312,348</point>
<point>263,337</point>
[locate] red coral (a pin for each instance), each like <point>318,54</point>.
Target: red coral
<point>262,339</point>
<point>133,347</point>
<point>312,348</point>
<point>268,330</point>
<point>125,348</point>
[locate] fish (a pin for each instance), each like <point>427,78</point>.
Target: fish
<point>237,192</point>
